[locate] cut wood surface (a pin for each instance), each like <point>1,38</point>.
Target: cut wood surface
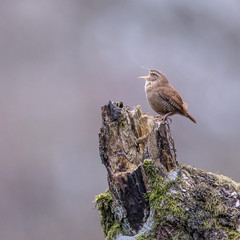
<point>150,195</point>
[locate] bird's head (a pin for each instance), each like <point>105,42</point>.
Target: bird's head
<point>154,75</point>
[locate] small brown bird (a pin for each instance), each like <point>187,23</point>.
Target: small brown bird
<point>162,97</point>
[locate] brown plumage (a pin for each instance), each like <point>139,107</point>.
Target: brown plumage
<point>164,98</point>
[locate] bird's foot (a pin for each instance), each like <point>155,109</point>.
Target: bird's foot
<point>165,118</point>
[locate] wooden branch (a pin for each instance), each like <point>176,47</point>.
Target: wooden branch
<point>150,196</point>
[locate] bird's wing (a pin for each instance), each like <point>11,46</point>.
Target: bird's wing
<point>171,95</point>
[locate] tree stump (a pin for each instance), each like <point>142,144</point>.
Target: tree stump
<point>150,195</point>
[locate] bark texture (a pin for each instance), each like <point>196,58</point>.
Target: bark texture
<point>150,196</point>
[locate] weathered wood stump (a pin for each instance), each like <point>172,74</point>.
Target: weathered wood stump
<point>150,196</point>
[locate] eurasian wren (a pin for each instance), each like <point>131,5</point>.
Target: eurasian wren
<point>162,97</point>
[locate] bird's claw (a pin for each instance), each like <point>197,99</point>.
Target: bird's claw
<point>164,119</point>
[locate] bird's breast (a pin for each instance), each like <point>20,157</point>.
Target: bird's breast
<point>157,103</point>
<point>153,97</point>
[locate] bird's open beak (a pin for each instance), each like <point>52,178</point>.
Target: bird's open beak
<point>144,77</point>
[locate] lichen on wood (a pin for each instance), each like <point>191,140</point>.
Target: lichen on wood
<point>150,195</point>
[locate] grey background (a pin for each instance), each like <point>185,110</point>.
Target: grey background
<point>60,60</point>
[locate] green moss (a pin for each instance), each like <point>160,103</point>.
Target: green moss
<point>180,236</point>
<point>164,203</point>
<point>192,204</point>
<point>145,236</point>
<point>233,235</point>
<point>142,236</point>
<point>210,200</point>
<point>150,170</point>
<point>105,206</point>
<point>113,231</point>
<point>212,212</point>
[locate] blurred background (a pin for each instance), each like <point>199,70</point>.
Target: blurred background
<point>61,60</point>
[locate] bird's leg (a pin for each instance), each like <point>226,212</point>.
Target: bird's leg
<point>165,117</point>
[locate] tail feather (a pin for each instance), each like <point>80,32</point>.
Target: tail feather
<point>190,117</point>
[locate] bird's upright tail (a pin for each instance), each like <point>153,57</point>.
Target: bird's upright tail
<point>190,117</point>
<point>187,114</point>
